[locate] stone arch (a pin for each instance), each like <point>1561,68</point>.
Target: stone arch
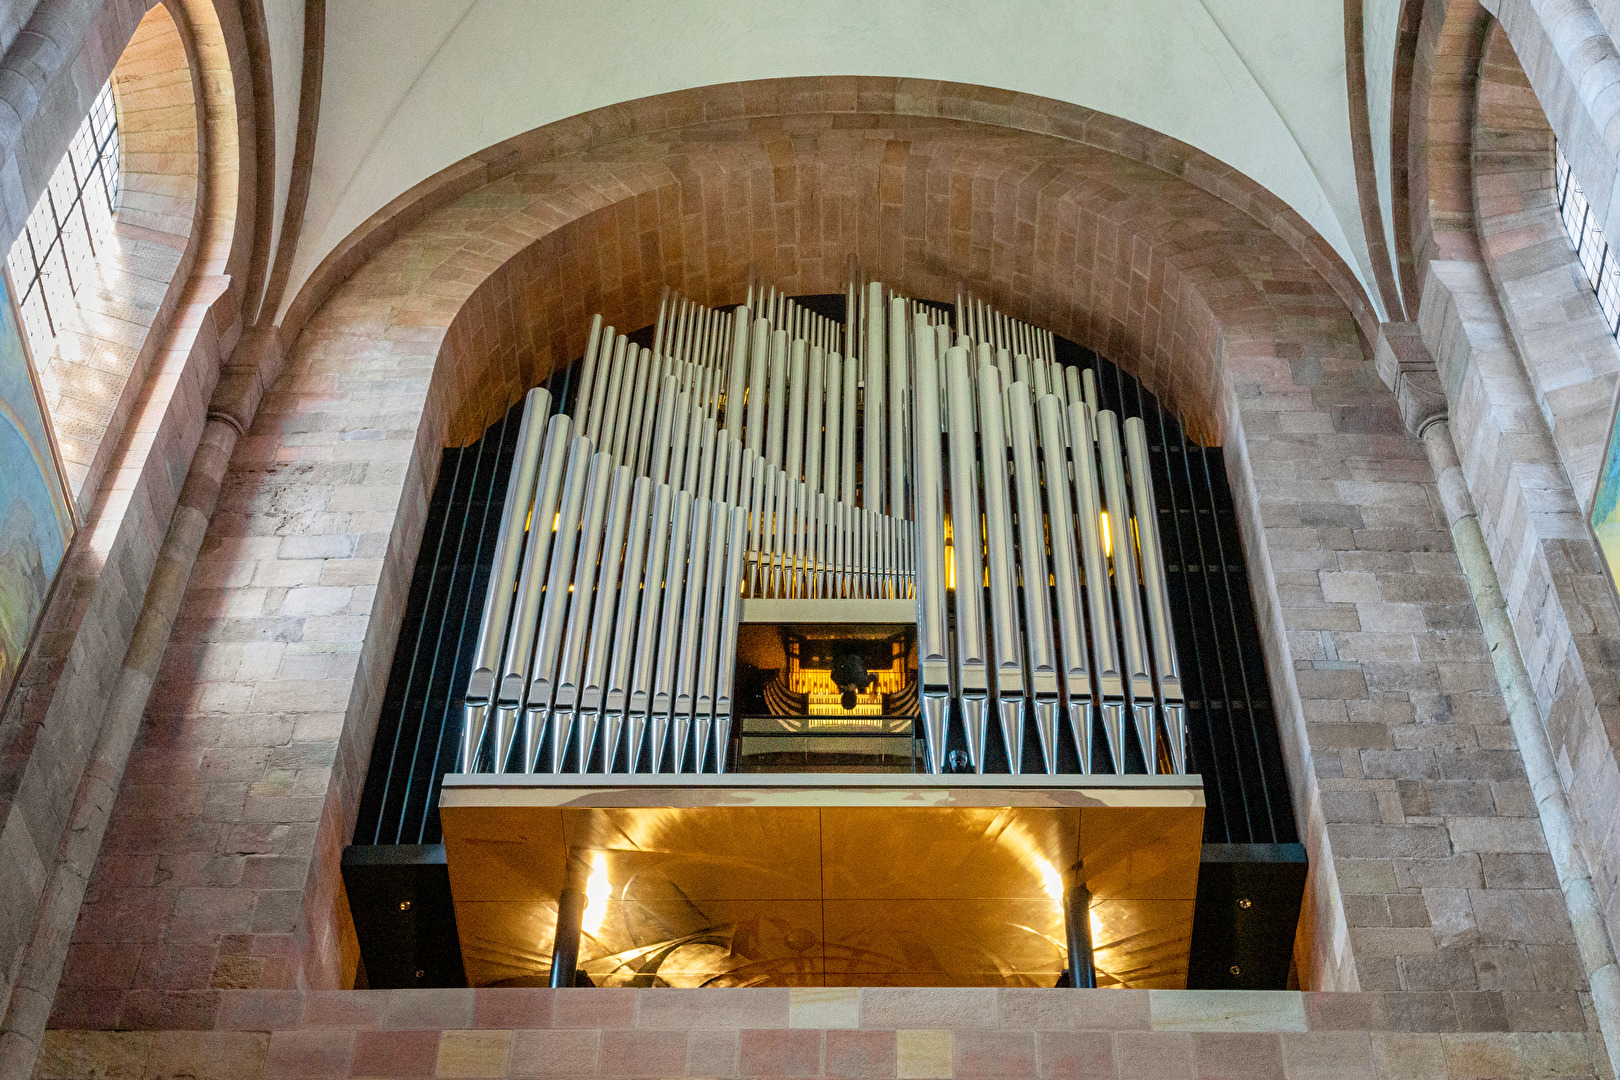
<point>1438,197</point>
<point>109,339</point>
<point>1567,349</point>
<point>434,315</point>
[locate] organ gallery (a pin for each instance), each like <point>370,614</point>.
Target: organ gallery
<point>833,649</point>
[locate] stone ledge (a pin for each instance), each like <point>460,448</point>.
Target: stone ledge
<point>819,1032</point>
<point>882,1008</point>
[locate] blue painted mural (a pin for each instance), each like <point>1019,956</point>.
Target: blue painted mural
<point>36,521</point>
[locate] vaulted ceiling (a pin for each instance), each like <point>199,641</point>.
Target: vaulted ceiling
<point>412,86</point>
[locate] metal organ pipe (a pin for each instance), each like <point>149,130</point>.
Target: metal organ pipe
<point>972,661</point>
<point>1167,673</point>
<point>1006,640</point>
<point>722,464</point>
<point>1066,581</point>
<point>1138,681</point>
<point>1042,669</point>
<point>503,574</point>
<point>899,382</point>
<point>873,459</point>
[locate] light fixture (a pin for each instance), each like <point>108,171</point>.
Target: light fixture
<point>597,891</point>
<point>1108,541</point>
<point>1051,880</point>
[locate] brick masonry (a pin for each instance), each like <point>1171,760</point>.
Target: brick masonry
<point>53,719</point>
<point>1529,369</point>
<point>216,913</point>
<point>220,867</point>
<point>1085,1034</point>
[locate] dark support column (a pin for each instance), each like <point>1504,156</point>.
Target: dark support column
<point>565,947</point>
<point>1077,919</point>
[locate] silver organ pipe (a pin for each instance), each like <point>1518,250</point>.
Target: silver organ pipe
<point>559,582</point>
<point>775,401</point>
<point>605,437</point>
<point>737,373</point>
<point>872,402</point>
<point>722,463</point>
<point>504,572</point>
<point>576,632</point>
<point>797,374</point>
<point>899,381</point>
<point>592,417</point>
<point>1042,654</point>
<point>814,385</point>
<point>1166,671</point>
<point>593,686</point>
<point>1071,620</point>
<point>834,391</point>
<point>758,364</point>
<point>1006,640</point>
<point>965,552</point>
<point>1138,682</point>
<point>846,437</point>
<point>632,602</point>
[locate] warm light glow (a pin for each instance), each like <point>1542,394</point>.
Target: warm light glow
<point>1051,880</point>
<point>950,567</point>
<point>1108,541</point>
<point>556,520</point>
<point>597,891</point>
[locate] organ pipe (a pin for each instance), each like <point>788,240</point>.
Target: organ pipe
<point>721,464</point>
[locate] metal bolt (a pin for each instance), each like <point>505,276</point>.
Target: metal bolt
<point>1234,969</point>
<point>405,905</point>
<point>1245,904</point>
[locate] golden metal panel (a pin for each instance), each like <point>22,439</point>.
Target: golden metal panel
<point>905,882</point>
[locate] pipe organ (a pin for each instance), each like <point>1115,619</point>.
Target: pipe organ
<point>913,452</point>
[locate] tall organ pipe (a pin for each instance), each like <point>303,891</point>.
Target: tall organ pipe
<point>1042,669</point>
<point>503,573</point>
<point>874,462</point>
<point>1104,647</point>
<point>632,606</point>
<point>1167,673</point>
<point>1005,637</point>
<point>972,663</point>
<point>1066,579</point>
<point>593,687</point>
<point>652,596</point>
<point>1139,682</point>
<point>898,382</point>
<point>576,634</point>
<point>543,669</point>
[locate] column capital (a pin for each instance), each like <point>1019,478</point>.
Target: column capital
<point>1407,367</point>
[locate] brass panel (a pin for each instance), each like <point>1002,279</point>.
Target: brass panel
<point>718,853</point>
<point>905,882</point>
<point>967,853</point>
<point>947,940</point>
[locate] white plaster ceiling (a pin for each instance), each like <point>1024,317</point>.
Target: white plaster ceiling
<point>412,86</point>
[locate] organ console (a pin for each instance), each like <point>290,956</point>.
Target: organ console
<point>722,465</point>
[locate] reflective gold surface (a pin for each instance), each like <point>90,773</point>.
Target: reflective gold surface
<point>911,882</point>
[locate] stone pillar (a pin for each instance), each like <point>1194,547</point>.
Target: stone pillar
<point>1405,364</point>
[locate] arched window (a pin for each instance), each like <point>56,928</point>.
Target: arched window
<point>53,258</point>
<point>1590,243</point>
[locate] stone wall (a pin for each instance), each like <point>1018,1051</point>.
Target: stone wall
<point>1079,1034</point>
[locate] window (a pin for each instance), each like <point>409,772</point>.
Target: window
<point>54,256</point>
<point>1590,245</point>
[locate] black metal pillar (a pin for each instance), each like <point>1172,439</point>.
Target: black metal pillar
<point>1077,920</point>
<point>565,946</point>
